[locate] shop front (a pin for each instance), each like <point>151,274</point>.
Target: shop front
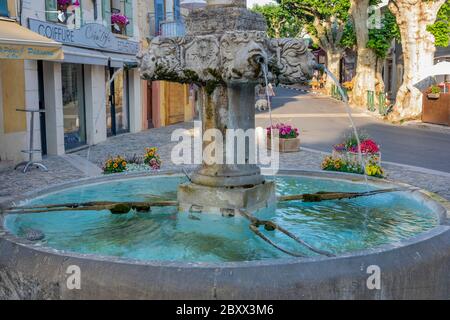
<point>94,92</point>
<point>20,48</point>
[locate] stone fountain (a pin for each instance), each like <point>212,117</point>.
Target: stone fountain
<point>224,52</point>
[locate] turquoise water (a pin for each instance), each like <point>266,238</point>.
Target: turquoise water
<point>163,234</point>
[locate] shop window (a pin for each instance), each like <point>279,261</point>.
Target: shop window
<point>73,105</point>
<point>4,8</point>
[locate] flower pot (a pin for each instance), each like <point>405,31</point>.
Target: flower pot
<point>285,145</point>
<point>433,96</point>
<point>63,7</point>
<point>353,157</point>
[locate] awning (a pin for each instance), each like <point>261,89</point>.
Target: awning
<point>17,42</point>
<point>121,60</point>
<point>84,56</point>
<point>94,57</point>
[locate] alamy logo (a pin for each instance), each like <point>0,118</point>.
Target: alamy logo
<point>234,146</point>
<point>74,278</point>
<point>375,18</point>
<point>374,280</point>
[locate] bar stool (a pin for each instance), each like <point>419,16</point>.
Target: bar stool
<point>27,164</point>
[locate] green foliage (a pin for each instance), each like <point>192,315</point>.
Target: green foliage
<point>332,15</point>
<point>380,39</point>
<point>441,28</point>
<point>349,38</point>
<point>280,23</point>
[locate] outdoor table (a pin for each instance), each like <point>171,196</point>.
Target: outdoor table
<point>27,164</point>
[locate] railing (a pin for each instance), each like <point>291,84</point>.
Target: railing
<point>172,28</point>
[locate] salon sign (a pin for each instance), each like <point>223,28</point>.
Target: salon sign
<point>90,36</point>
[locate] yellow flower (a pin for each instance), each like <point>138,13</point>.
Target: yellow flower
<point>124,164</point>
<point>115,165</point>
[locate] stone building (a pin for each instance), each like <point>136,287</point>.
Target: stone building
<point>82,107</point>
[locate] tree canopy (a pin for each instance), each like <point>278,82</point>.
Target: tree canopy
<point>380,39</point>
<point>441,28</point>
<point>325,20</point>
<point>280,23</point>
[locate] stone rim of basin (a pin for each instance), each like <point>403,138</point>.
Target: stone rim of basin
<point>440,206</point>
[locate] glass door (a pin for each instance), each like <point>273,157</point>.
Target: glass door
<point>73,105</point>
<point>117,112</point>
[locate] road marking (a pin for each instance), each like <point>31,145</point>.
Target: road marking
<point>311,115</point>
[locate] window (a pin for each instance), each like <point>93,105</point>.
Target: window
<point>53,10</point>
<point>73,105</point>
<point>4,8</point>
<point>123,7</point>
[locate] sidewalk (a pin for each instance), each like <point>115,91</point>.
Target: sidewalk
<point>62,169</point>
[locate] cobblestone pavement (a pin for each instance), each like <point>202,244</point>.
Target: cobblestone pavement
<point>15,182</point>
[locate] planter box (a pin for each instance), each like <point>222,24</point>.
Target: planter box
<point>436,111</point>
<point>285,145</point>
<point>353,157</point>
<point>434,96</point>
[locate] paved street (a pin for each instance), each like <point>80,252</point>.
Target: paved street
<point>324,122</point>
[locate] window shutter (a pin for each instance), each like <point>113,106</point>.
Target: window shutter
<point>129,14</point>
<point>79,17</point>
<point>4,8</point>
<point>159,15</point>
<point>51,5</point>
<point>106,13</point>
<point>177,10</point>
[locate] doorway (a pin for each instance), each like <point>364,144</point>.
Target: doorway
<point>40,66</point>
<point>149,106</point>
<point>117,111</point>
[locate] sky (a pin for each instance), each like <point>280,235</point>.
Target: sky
<point>250,3</point>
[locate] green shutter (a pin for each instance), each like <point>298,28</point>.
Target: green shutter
<point>129,14</point>
<point>4,8</point>
<point>106,13</point>
<point>81,14</point>
<point>51,5</point>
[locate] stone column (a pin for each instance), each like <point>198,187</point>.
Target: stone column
<point>54,118</point>
<point>229,107</point>
<point>95,100</point>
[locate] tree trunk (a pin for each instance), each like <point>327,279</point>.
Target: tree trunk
<point>364,79</point>
<point>413,17</point>
<point>334,66</point>
<point>379,81</point>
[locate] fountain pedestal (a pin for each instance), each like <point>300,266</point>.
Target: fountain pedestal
<point>224,52</point>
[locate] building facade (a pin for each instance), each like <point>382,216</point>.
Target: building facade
<point>164,102</point>
<point>92,93</point>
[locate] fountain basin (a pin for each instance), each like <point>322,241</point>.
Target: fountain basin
<point>414,267</point>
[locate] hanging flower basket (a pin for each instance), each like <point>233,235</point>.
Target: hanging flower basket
<point>63,5</point>
<point>288,138</point>
<point>120,21</point>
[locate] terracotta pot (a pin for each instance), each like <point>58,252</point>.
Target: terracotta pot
<point>285,145</point>
<point>63,7</point>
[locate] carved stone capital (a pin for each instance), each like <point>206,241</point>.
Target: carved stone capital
<point>234,57</point>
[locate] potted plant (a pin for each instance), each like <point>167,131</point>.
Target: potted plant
<point>435,92</point>
<point>115,165</point>
<point>349,149</point>
<point>63,5</point>
<point>288,138</point>
<point>119,20</point>
<point>152,159</point>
